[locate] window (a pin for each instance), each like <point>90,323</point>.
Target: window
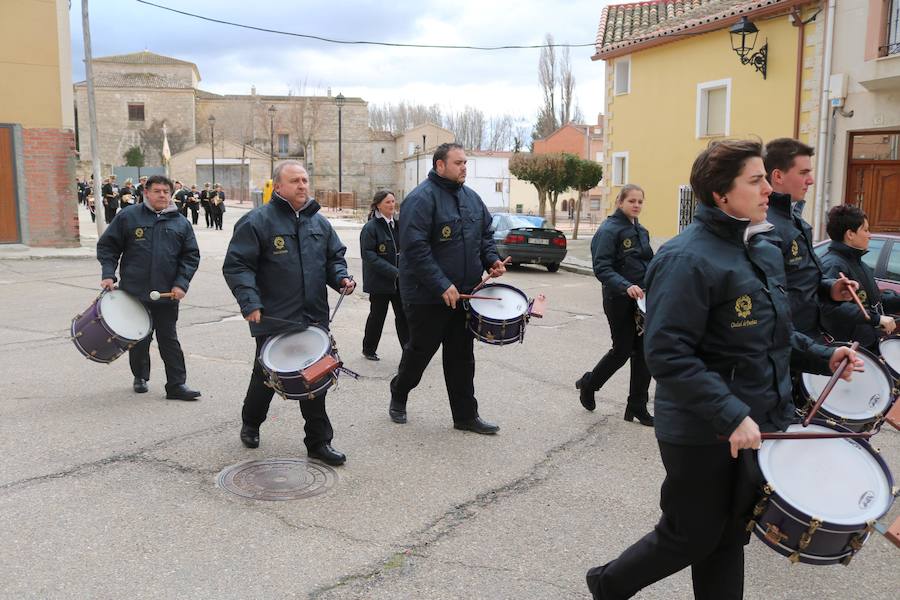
<point>598,157</point>
<point>892,39</point>
<point>714,108</point>
<point>875,146</point>
<point>893,263</point>
<point>623,75</point>
<point>283,143</point>
<point>871,257</point>
<point>136,112</point>
<point>620,168</point>
<point>498,186</point>
<point>519,209</point>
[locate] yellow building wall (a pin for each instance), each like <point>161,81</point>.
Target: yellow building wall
<point>656,121</point>
<point>35,64</point>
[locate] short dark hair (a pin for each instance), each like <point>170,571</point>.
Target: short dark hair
<point>440,153</point>
<point>158,179</point>
<point>376,200</point>
<point>716,168</point>
<point>781,152</point>
<point>844,218</point>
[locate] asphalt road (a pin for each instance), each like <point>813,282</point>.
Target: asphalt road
<point>109,494</point>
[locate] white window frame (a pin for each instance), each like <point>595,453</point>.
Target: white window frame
<point>703,106</point>
<point>625,60</point>
<point>619,179</point>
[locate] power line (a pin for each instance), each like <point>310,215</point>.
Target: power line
<point>361,42</point>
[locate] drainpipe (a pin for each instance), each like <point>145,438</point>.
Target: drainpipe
<point>824,144</point>
<point>798,86</point>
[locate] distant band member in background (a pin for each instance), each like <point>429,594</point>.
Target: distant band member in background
<point>217,206</point>
<point>204,204</point>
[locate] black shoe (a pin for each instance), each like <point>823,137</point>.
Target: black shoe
<point>370,355</point>
<point>397,411</point>
<point>586,395</point>
<point>478,425</point>
<point>140,386</point>
<point>328,455</point>
<point>640,413</point>
<point>250,436</point>
<point>181,392</point>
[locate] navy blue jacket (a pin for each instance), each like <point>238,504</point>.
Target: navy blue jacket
<point>380,249</point>
<point>843,320</point>
<point>446,238</point>
<point>719,336</point>
<point>157,251</point>
<point>621,252</point>
<point>280,264</point>
<point>806,286</point>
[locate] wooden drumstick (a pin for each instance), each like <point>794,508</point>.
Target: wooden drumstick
<point>474,297</point>
<point>829,386</point>
<point>792,435</point>
<point>154,295</point>
<point>856,298</point>
<point>506,261</point>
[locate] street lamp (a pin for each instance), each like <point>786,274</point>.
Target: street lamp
<point>212,146</point>
<point>272,111</point>
<point>743,40</point>
<point>339,100</point>
<point>417,164</point>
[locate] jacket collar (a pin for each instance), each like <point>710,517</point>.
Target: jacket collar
<point>169,209</point>
<point>849,251</point>
<point>780,203</point>
<point>623,218</point>
<point>309,209</point>
<point>722,224</point>
<point>450,186</point>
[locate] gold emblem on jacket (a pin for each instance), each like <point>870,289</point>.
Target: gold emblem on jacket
<point>743,306</point>
<point>446,231</point>
<point>278,242</point>
<point>795,248</point>
<point>627,243</point>
<point>863,296</point>
<point>139,232</point>
<point>382,248</point>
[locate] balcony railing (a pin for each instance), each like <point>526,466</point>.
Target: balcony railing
<point>892,39</point>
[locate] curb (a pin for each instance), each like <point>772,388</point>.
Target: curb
<point>577,269</point>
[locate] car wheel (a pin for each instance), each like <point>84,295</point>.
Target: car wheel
<point>553,267</point>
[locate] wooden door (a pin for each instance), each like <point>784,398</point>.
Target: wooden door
<point>857,179</point>
<point>9,227</point>
<point>884,210</point>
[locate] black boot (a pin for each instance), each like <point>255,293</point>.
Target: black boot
<point>639,412</point>
<point>586,394</point>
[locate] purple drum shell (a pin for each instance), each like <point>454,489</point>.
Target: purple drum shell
<point>496,331</point>
<point>92,338</point>
<point>289,382</point>
<point>293,387</point>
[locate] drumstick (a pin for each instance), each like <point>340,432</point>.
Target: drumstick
<point>154,295</point>
<point>791,435</point>
<point>474,297</point>
<point>828,387</point>
<point>268,318</point>
<point>341,299</point>
<point>506,261</point>
<point>855,297</point>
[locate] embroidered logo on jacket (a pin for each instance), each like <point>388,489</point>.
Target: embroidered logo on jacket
<point>863,296</point>
<point>382,248</point>
<point>627,243</point>
<point>743,306</point>
<point>278,242</point>
<point>795,248</point>
<point>446,231</point>
<point>139,232</point>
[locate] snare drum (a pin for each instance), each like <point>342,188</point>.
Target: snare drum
<point>300,365</point>
<point>858,405</point>
<point>821,497</point>
<point>502,321</point>
<point>640,315</point>
<point>112,324</point>
<point>889,348</point>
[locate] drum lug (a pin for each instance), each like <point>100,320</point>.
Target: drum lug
<point>768,490</point>
<point>773,534</point>
<point>794,558</point>
<point>895,491</point>
<point>806,537</point>
<point>831,422</point>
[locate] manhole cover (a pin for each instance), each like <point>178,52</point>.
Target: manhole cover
<point>277,479</point>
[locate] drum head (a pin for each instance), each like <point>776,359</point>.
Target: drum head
<point>125,316</point>
<point>890,352</point>
<point>512,304</point>
<point>869,393</point>
<point>290,352</point>
<point>642,304</point>
<point>835,480</point>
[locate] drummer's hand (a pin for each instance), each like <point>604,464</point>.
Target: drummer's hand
<point>254,317</point>
<point>840,290</point>
<point>108,284</point>
<point>745,436</point>
<point>497,269</point>
<point>635,292</point>
<point>177,293</point>
<point>347,286</point>
<point>855,363</point>
<point>888,324</point>
<point>451,296</point>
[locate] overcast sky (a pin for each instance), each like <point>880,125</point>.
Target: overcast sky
<point>232,59</point>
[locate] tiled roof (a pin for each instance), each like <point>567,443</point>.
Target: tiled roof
<point>143,58</point>
<point>138,80</point>
<point>637,23</point>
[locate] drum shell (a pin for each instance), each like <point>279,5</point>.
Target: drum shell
<point>94,339</point>
<point>292,385</point>
<point>497,332</point>
<point>894,369</point>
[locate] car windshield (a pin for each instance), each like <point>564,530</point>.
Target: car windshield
<point>516,222</point>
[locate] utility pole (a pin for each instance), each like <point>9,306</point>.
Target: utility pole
<point>97,186</point>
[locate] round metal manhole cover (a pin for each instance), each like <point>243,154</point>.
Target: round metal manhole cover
<point>277,479</point>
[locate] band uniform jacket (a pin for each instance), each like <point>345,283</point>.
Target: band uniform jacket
<point>843,320</point>
<point>280,263</point>
<point>806,286</point>
<point>446,238</point>
<point>110,195</point>
<point>380,255</point>
<point>719,339</point>
<point>154,252</point>
<point>621,252</point>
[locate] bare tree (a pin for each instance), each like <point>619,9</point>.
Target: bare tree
<point>547,122</point>
<point>566,88</point>
<point>468,126</point>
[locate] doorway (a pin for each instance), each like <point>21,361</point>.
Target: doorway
<point>9,214</point>
<point>873,178</point>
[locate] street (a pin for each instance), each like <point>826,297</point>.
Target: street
<point>109,494</point>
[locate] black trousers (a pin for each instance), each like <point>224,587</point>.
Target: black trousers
<point>704,499</point>
<point>626,344</point>
<point>256,406</point>
<point>195,212</point>
<point>430,326</point>
<point>109,212</point>
<point>165,319</point>
<point>206,214</point>
<point>216,215</point>
<point>378,307</point>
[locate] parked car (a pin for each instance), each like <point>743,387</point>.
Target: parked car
<point>522,240</point>
<point>537,220</point>
<point>883,257</point>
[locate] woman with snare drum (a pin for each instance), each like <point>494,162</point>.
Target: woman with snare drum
<point>621,252</point>
<point>380,248</point>
<point>719,344</point>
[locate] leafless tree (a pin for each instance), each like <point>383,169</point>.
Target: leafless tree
<point>566,88</point>
<point>468,126</point>
<point>547,77</point>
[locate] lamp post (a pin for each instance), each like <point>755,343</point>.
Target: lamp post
<point>272,111</point>
<point>417,164</point>
<point>339,100</point>
<point>743,40</point>
<point>212,146</point>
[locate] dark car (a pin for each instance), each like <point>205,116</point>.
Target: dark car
<point>523,241</point>
<point>883,257</point>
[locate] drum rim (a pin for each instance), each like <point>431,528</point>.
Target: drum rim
<point>493,321</point>
<point>879,364</point>
<point>263,353</point>
<point>798,513</point>
<point>99,304</point>
<point>891,338</point>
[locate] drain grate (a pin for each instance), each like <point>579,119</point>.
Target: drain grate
<point>277,479</point>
